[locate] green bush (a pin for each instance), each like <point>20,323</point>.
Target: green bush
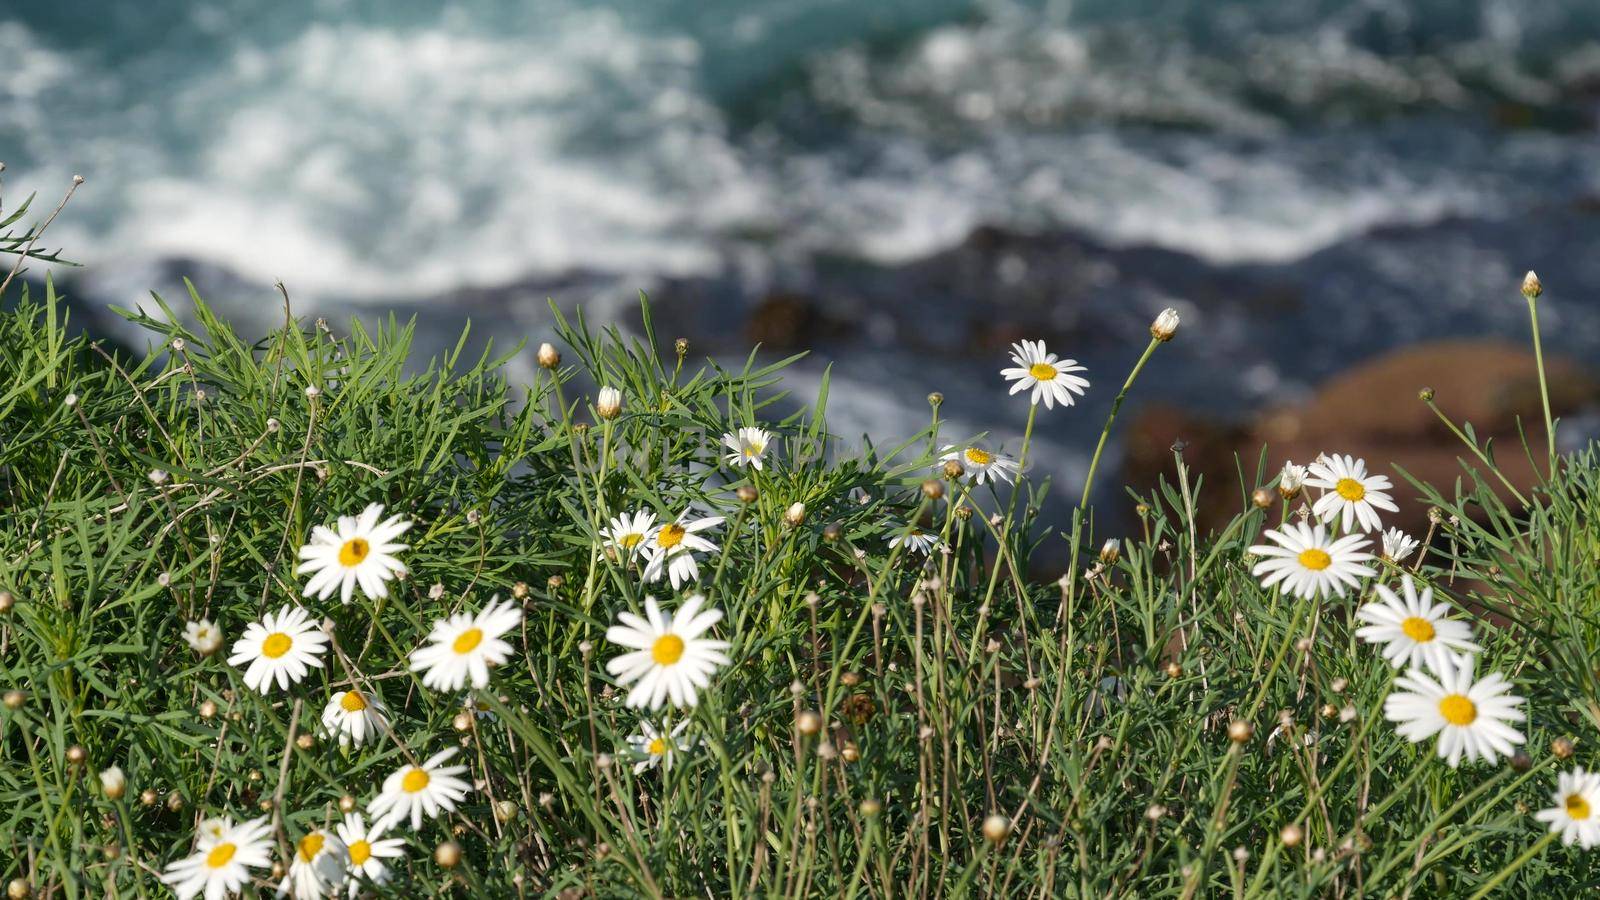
<point>891,724</point>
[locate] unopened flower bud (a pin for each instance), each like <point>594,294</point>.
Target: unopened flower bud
<point>76,755</point>
<point>1562,748</point>
<point>1261,497</point>
<point>796,514</point>
<point>1531,287</point>
<point>1291,835</point>
<point>747,493</point>
<point>1240,731</point>
<point>1165,325</point>
<point>996,828</point>
<point>609,404</point>
<point>1425,395</point>
<point>681,347</point>
<point>113,783</point>
<point>870,808</point>
<point>447,854</point>
<point>808,722</point>
<point>549,356</point>
<point>1111,551</point>
<point>933,489</point>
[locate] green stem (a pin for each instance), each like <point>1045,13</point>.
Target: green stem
<point>1516,864</point>
<point>1544,387</point>
<point>1105,433</point>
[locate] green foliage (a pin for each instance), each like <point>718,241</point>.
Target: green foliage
<point>1093,713</point>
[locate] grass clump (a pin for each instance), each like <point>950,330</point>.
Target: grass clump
<point>903,711</point>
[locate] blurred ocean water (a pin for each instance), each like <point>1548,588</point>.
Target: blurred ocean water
<point>1388,166</point>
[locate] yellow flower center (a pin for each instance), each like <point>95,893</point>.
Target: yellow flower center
<point>657,746</point>
<point>1577,807</point>
<point>667,649</point>
<point>754,448</point>
<point>467,640</point>
<point>1043,371</point>
<point>220,855</point>
<point>352,701</point>
<point>415,780</point>
<point>276,645</point>
<point>1458,710</point>
<point>979,457</point>
<point>353,552</point>
<point>311,845</point>
<point>1418,629</point>
<point>1315,559</point>
<point>1350,489</point>
<point>360,852</point>
<point>630,541</point>
<point>670,535</point>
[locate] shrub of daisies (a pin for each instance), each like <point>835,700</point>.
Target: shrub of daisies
<point>306,615</point>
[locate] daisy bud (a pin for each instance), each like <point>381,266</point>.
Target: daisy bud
<point>1174,670</point>
<point>681,347</point>
<point>932,489</point>
<point>347,804</point>
<point>609,404</point>
<point>1521,762</point>
<point>1562,748</point>
<point>826,750</point>
<point>850,679</point>
<point>519,591</point>
<point>305,741</point>
<point>1111,551</point>
<point>1338,685</point>
<point>19,889</point>
<point>113,783</point>
<point>273,425</point>
<point>996,520</point>
<point>1240,731</point>
<point>462,721</point>
<point>1240,854</point>
<point>1425,395</point>
<point>1291,835</point>
<point>935,399</point>
<point>585,648</point>
<point>111,852</point>
<point>952,469</point>
<point>795,515</point>
<point>277,868</point>
<point>435,591</point>
<point>157,477</point>
<point>505,810</point>
<point>1154,812</point>
<point>1165,325</point>
<point>76,755</point>
<point>1347,714</point>
<point>70,400</point>
<point>1435,515</point>
<point>1531,287</point>
<point>870,808</point>
<point>1261,497</point>
<point>208,709</point>
<point>6,602</point>
<point>447,854</point>
<point>175,802</point>
<point>603,761</point>
<point>1329,711</point>
<point>851,753</point>
<point>796,688</point>
<point>996,828</point>
<point>831,531</point>
<point>549,356</point>
<point>313,392</point>
<point>547,800</point>
<point>747,493</point>
<point>808,723</point>
<point>554,582</point>
<point>148,797</point>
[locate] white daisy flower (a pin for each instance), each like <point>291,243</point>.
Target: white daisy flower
<point>221,867</point>
<point>668,657</point>
<point>672,546</point>
<point>204,637</point>
<point>657,748</point>
<point>358,550</point>
<point>317,868</point>
<point>1350,494</point>
<point>211,831</point>
<point>1469,716</point>
<point>916,540</point>
<point>1309,564</point>
<point>366,849</point>
<point>465,646</point>
<point>1050,379</point>
<point>283,647</point>
<point>628,532</point>
<point>981,465</point>
<point>1397,545</point>
<point>1414,630</point>
<point>746,447</point>
<point>1291,479</point>
<point>354,716</point>
<point>413,790</point>
<point>1576,814</point>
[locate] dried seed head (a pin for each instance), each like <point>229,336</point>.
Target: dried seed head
<point>305,741</point>
<point>554,582</point>
<point>273,425</point>
<point>208,709</point>
<point>850,679</point>
<point>964,513</point>
<point>1329,711</point>
<point>808,722</point>
<point>604,761</point>
<point>996,828</point>
<point>1174,669</point>
<point>933,489</point>
<point>826,750</point>
<point>1291,835</point>
<point>519,591</point>
<point>681,347</point>
<point>1240,854</point>
<point>462,721</point>
<point>1338,685</point>
<point>549,356</point>
<point>175,802</point>
<point>1240,731</point>
<point>1154,812</point>
<point>313,392</point>
<point>435,591</point>
<point>747,493</point>
<point>1562,748</point>
<point>953,469</point>
<point>447,854</point>
<point>1165,325</point>
<point>1531,286</point>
